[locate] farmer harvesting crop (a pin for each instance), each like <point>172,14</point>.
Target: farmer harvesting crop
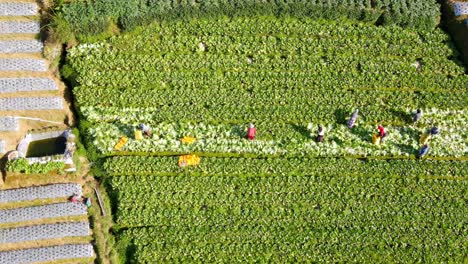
<point>382,132</point>
<point>423,151</point>
<point>352,120</point>
<point>145,129</point>
<point>320,134</point>
<point>76,198</point>
<point>251,132</point>
<point>417,116</point>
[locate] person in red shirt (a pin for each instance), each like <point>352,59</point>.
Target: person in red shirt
<point>251,132</point>
<point>76,198</point>
<point>382,132</point>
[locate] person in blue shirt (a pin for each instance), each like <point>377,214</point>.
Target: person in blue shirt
<point>423,151</point>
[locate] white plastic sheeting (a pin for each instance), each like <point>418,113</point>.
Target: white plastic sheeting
<point>21,27</point>
<point>13,85</point>
<point>43,211</point>
<point>21,46</point>
<point>2,146</point>
<point>45,254</point>
<point>31,103</point>
<point>18,9</point>
<point>9,124</point>
<point>20,64</point>
<point>41,232</point>
<point>40,192</point>
<point>460,8</point>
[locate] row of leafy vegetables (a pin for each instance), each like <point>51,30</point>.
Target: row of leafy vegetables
<point>225,217</point>
<point>171,75</point>
<point>99,17</point>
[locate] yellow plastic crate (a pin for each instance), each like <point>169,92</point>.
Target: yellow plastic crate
<point>138,135</point>
<point>188,140</point>
<point>121,143</point>
<point>189,160</point>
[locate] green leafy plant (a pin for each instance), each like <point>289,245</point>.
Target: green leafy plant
<point>22,165</point>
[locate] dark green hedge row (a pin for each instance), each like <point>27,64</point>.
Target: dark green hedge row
<point>93,18</point>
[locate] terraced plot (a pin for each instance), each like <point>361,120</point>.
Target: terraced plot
<point>23,71</point>
<point>44,232</point>
<point>47,254</point>
<point>40,192</point>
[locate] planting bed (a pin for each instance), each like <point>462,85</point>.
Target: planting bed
<point>24,27</point>
<point>36,65</point>
<point>42,211</point>
<point>31,103</point>
<point>40,232</point>
<point>40,192</point>
<point>20,46</point>
<point>12,85</point>
<point>18,9</point>
<point>8,124</point>
<point>47,254</point>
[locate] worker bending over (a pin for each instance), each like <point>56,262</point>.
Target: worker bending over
<point>145,129</point>
<point>251,132</point>
<point>320,134</point>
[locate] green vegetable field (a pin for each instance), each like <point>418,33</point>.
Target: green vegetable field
<point>208,69</point>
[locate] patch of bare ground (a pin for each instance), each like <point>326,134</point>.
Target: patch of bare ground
<point>19,36</point>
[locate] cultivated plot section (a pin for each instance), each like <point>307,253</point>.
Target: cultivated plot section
<point>31,103</point>
<point>20,46</point>
<point>40,192</point>
<point>41,212</point>
<point>18,9</point>
<point>460,8</point>
<point>47,254</point>
<point>12,85</point>
<point>8,124</point>
<point>19,27</point>
<point>29,240</point>
<point>23,70</point>
<point>39,232</point>
<point>14,64</point>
